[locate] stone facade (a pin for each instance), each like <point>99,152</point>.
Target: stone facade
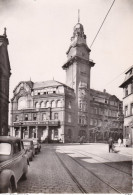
<point>4,84</point>
<point>44,110</point>
<point>127,86</point>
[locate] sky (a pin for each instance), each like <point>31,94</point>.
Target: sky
<point>39,33</point>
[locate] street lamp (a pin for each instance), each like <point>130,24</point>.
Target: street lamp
<point>21,123</point>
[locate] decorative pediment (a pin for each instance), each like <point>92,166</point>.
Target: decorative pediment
<point>22,89</point>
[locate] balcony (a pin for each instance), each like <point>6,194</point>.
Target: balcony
<point>38,123</point>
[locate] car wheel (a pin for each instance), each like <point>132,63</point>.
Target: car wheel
<point>24,176</point>
<point>10,189</point>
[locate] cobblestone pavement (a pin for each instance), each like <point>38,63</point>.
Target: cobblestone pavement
<point>89,164</point>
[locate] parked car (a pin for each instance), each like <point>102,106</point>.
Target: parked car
<point>29,147</point>
<point>13,163</point>
<point>37,145</point>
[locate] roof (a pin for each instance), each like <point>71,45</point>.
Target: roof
<point>8,138</point>
<point>129,69</point>
<point>50,83</point>
<point>127,81</point>
<point>97,93</point>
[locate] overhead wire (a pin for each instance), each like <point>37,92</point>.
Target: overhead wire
<point>102,24</point>
<point>117,77</point>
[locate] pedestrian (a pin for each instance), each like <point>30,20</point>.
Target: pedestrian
<point>110,142</point>
<point>119,142</point>
<point>81,139</point>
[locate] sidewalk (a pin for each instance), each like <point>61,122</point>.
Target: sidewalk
<point>128,151</point>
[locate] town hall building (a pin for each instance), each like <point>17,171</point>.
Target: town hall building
<point>53,111</point>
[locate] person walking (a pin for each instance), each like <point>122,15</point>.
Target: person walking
<point>110,142</point>
<point>119,142</point>
<point>81,139</point>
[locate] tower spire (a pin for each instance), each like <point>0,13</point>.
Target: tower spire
<point>5,32</point>
<point>78,15</point>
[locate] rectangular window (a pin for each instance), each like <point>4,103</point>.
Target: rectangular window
<point>69,105</point>
<point>34,117</point>
<point>69,118</point>
<point>16,118</point>
<point>55,116</point>
<point>79,119</point>
<point>95,110</point>
<point>132,109</point>
<point>26,117</point>
<point>126,110</point>
<point>126,90</point>
<point>44,117</point>
<point>56,133</point>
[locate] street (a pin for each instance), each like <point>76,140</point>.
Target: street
<point>75,168</point>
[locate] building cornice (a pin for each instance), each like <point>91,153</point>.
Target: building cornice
<point>78,59</point>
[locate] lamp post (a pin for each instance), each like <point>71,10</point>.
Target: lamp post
<point>21,132</point>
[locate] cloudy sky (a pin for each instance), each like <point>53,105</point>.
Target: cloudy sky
<point>39,33</point>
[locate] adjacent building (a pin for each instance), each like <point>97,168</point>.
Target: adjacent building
<point>53,111</point>
<point>127,86</point>
<point>105,113</point>
<point>4,83</point>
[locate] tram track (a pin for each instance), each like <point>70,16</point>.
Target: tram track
<point>82,189</point>
<point>103,162</point>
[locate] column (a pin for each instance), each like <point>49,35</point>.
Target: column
<point>36,131</point>
<point>28,128</point>
<point>47,131</point>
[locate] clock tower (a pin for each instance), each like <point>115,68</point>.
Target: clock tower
<point>78,67</point>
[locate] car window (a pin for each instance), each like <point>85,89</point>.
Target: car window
<point>5,148</point>
<point>17,147</point>
<point>26,143</point>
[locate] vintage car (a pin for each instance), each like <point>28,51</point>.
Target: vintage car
<point>13,163</point>
<point>29,147</point>
<point>37,145</point>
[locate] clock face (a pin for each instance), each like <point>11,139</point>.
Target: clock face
<point>83,92</point>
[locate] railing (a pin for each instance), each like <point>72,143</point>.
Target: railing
<point>47,123</point>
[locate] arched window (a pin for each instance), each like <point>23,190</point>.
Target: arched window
<point>59,103</point>
<point>53,104</point>
<point>42,105</point>
<point>22,103</point>
<point>37,105</point>
<point>47,104</point>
